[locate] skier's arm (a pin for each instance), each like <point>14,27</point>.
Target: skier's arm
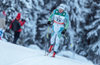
<point>22,22</point>
<point>51,16</point>
<point>11,24</point>
<point>67,21</point>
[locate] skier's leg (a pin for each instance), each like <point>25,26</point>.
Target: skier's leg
<point>1,33</point>
<point>16,36</point>
<point>56,45</point>
<point>52,40</point>
<point>58,39</point>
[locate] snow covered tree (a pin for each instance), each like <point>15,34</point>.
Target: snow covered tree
<point>83,31</point>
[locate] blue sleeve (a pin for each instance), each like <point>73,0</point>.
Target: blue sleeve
<point>51,16</point>
<point>67,21</point>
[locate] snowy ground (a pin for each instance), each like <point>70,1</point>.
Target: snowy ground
<point>11,54</point>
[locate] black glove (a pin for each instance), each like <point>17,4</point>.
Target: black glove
<point>63,32</point>
<point>49,23</point>
<point>23,20</point>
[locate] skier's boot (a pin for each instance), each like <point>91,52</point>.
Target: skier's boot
<point>54,53</point>
<point>50,49</point>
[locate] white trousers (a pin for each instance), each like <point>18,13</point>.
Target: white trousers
<point>56,35</point>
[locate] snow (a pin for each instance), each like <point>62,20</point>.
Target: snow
<point>34,47</point>
<point>11,54</point>
<point>37,12</point>
<point>73,55</point>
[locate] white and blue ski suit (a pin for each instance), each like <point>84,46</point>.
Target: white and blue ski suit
<point>2,26</point>
<point>61,22</point>
<point>1,33</point>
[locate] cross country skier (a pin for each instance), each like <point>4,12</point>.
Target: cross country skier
<point>16,26</point>
<point>2,24</point>
<point>60,24</point>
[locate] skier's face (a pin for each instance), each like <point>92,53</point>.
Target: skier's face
<point>17,19</point>
<point>61,10</point>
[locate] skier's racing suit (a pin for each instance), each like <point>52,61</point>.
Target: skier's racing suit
<point>61,22</point>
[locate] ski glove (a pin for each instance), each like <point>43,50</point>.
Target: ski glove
<point>49,23</point>
<point>23,20</point>
<point>63,32</point>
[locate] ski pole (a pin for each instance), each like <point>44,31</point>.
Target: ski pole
<point>48,32</point>
<point>65,36</point>
<point>71,45</point>
<point>67,39</point>
<point>47,38</point>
